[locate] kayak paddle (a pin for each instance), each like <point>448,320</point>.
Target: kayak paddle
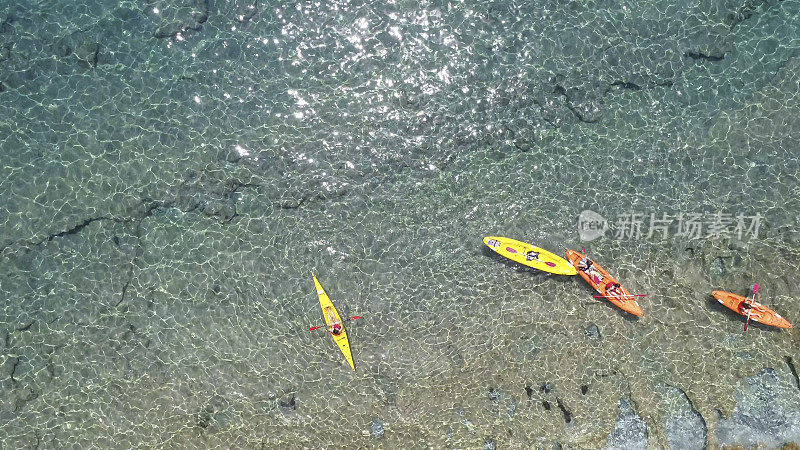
<point>617,296</point>
<point>345,320</point>
<point>750,309</point>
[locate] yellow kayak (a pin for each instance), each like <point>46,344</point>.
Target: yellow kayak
<point>332,317</point>
<point>530,255</point>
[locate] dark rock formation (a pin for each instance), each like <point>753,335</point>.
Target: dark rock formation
<point>593,332</point>
<point>288,403</point>
<point>565,411</point>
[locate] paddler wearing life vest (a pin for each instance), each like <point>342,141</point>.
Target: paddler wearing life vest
<point>335,326</point>
<point>585,265</point>
<point>614,290</point>
<point>744,306</point>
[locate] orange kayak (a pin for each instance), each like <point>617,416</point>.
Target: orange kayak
<point>600,279</point>
<point>760,313</point>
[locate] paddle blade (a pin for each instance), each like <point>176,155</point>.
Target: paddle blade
<point>315,328</point>
<point>550,264</point>
<point>355,317</point>
<point>755,289</point>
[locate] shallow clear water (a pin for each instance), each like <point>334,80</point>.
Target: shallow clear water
<point>175,171</point>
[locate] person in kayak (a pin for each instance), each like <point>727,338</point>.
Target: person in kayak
<point>585,265</point>
<point>335,326</point>
<point>531,255</point>
<point>614,290</point>
<point>744,307</point>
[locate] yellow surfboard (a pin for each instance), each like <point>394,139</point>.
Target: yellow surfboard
<point>530,255</point>
<point>332,316</point>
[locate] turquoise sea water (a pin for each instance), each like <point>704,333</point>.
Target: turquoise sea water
<point>173,172</point>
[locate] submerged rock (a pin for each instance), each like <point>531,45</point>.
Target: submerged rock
<point>767,412</point>
<point>180,17</point>
<point>87,53</point>
<point>512,407</point>
<point>205,417</point>
<point>717,267</point>
<point>593,332</point>
<point>686,428</point>
<point>494,395</point>
<point>377,429</point>
<point>288,403</point>
<point>631,431</point>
